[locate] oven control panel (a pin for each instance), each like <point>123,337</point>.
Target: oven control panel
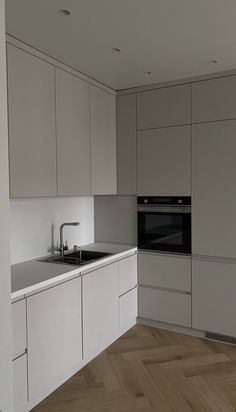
<point>164,200</point>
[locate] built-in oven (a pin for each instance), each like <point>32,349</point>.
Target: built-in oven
<point>164,224</point>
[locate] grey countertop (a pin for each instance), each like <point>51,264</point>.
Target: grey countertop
<point>31,276</point>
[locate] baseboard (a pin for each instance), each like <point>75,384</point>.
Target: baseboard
<point>171,328</point>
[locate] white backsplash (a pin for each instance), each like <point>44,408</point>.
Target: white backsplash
<point>35,225</point>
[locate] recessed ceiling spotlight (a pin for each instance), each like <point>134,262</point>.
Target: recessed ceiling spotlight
<point>148,72</point>
<point>116,49</point>
<point>65,12</point>
<point>213,61</point>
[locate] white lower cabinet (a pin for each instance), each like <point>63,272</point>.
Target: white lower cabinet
<point>214,285</point>
<point>165,306</point>
<point>127,274</point>
<point>19,328</point>
<point>54,338</point>
<point>100,309</point>
<point>128,307</point>
<point>20,384</point>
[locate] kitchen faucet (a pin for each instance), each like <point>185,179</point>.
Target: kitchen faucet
<point>62,247</point>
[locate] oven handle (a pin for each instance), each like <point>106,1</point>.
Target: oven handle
<point>163,209</point>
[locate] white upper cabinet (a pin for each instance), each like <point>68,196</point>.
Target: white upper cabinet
<point>73,137</point>
<point>214,99</point>
<point>168,106</point>
<point>164,161</point>
<point>214,189</point>
<point>103,141</point>
<point>126,144</point>
<point>32,138</point>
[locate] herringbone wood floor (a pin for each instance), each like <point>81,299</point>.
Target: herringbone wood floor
<point>149,370</point>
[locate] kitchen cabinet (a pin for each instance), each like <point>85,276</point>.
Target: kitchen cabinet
<point>19,328</point>
<point>214,190</point>
<point>73,135</point>
<point>127,274</point>
<point>214,99</point>
<point>165,271</point>
<point>165,306</point>
<point>164,161</point>
<point>32,136</point>
<point>20,384</point>
<point>167,106</point>
<point>126,144</point>
<point>213,298</point>
<point>100,309</point>
<point>128,306</point>
<point>103,141</point>
<point>54,338</point>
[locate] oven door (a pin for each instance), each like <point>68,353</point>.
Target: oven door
<point>164,229</point>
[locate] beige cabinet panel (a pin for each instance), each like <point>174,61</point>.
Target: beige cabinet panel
<point>100,310</point>
<point>103,141</point>
<point>164,161</point>
<point>214,189</point>
<point>214,99</point>
<point>164,306</point>
<point>126,144</point>
<point>168,106</point>
<point>19,328</point>
<point>165,271</point>
<point>32,138</point>
<point>20,384</point>
<point>54,338</point>
<point>128,306</point>
<point>213,298</point>
<point>73,137</point>
<point>127,274</point>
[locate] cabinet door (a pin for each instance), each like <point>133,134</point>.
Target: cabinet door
<point>103,141</point>
<point>127,274</point>
<point>168,106</point>
<point>164,162</point>
<point>19,328</point>
<point>32,139</point>
<point>165,271</point>
<point>214,285</point>
<point>214,99</point>
<point>73,139</point>
<point>100,310</point>
<point>128,306</point>
<point>20,384</point>
<point>126,144</point>
<point>54,338</point>
<point>214,189</point>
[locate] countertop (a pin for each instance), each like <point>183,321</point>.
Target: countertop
<point>31,276</point>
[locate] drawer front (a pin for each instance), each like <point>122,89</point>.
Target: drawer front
<point>127,274</point>
<point>19,328</point>
<point>128,307</point>
<point>20,384</point>
<point>165,271</point>
<point>169,307</point>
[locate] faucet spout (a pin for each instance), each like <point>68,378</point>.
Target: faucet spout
<point>63,246</point>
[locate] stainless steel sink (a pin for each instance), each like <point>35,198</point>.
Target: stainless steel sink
<point>79,258</point>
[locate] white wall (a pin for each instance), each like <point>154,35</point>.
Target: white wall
<point>35,225</point>
<point>5,287</point>
<point>116,219</point>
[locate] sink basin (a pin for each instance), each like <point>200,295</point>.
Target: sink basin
<point>81,257</point>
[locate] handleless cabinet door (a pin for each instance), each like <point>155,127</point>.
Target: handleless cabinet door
<point>20,384</point>
<point>167,106</point>
<point>54,338</point>
<point>164,161</point>
<point>214,99</point>
<point>127,274</point>
<point>126,144</point>
<point>73,138</point>
<point>103,141</point>
<point>214,189</point>
<point>32,138</point>
<point>19,328</point>
<point>100,309</point>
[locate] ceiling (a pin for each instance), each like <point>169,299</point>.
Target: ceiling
<point>171,38</point>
